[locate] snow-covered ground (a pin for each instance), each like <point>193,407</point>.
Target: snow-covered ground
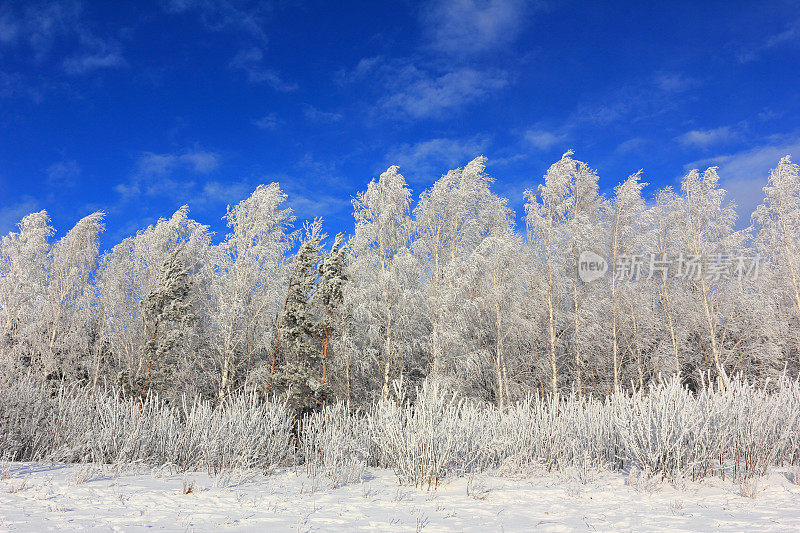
<point>37,497</point>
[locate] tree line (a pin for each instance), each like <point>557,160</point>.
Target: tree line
<point>443,287</point>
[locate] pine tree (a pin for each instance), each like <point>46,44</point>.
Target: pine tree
<point>330,296</point>
<point>299,376</point>
<point>168,315</point>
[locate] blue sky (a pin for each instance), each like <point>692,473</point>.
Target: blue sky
<point>137,108</point>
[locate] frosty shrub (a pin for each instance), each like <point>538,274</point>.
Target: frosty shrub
<point>77,425</point>
<point>336,443</point>
<point>665,431</point>
<point>432,437</point>
<point>554,432</point>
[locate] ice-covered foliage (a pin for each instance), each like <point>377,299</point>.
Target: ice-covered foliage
<point>665,431</point>
<point>78,425</point>
<point>254,353</point>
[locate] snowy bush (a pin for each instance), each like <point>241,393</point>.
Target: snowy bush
<point>336,442</point>
<point>428,439</point>
<point>666,431</point>
<point>81,426</point>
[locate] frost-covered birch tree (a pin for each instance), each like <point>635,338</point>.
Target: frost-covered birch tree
<point>23,281</point>
<point>627,231</point>
<point>248,283</point>
<point>131,271</point>
<point>777,240</point>
<point>377,297</point>
<point>548,213</point>
<point>708,236</point>
<point>453,217</point>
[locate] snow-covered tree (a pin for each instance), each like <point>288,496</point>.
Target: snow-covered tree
<point>330,298</point>
<point>299,373</point>
<point>377,299</point>
<point>131,271</point>
<point>248,284</point>
<point>48,295</point>
<point>23,282</point>
<point>453,218</point>
<point>169,315</point>
<point>627,231</point>
<point>708,237</point>
<point>778,242</point>
<point>562,217</point>
<point>491,315</point>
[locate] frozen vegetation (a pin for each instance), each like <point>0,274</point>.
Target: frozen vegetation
<point>662,458</point>
<point>665,432</point>
<point>434,347</point>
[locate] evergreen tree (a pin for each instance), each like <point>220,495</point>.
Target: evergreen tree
<point>329,297</point>
<point>299,376</point>
<point>168,316</point>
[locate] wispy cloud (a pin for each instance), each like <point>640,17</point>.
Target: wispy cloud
<point>316,115</point>
<point>465,27</point>
<point>744,174</point>
<point>63,173</point>
<point>636,101</point>
<point>216,192</point>
<point>250,60</point>
<point>154,173</point>
<point>16,85</point>
<point>267,122</point>
<point>428,159</point>
<point>11,214</point>
<point>60,29</point>
<point>411,90</point>
<point>88,61</point>
<point>630,145</point>
<point>424,94</point>
<point>543,139</point>
<point>220,15</point>
<point>625,104</point>
<point>790,34</point>
<point>364,67</point>
<point>707,138</point>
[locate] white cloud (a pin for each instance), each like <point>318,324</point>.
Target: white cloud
<point>707,138</point>
<point>673,82</point>
<point>267,122</point>
<point>153,174</point>
<point>744,174</point>
<point>544,140</point>
<point>221,15</point>
<point>9,29</point>
<point>420,94</point>
<point>60,29</point>
<point>632,102</point>
<point>364,67</point>
<point>201,162</point>
<point>411,88</point>
<point>463,27</point>
<point>791,33</point>
<point>436,156</point>
<point>630,145</point>
<point>82,64</point>
<point>215,192</point>
<point>10,215</point>
<point>250,61</point>
<point>13,85</point>
<point>63,173</point>
<point>315,115</point>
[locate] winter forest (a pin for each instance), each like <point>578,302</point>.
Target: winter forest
<point>443,287</point>
<point>437,340</point>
